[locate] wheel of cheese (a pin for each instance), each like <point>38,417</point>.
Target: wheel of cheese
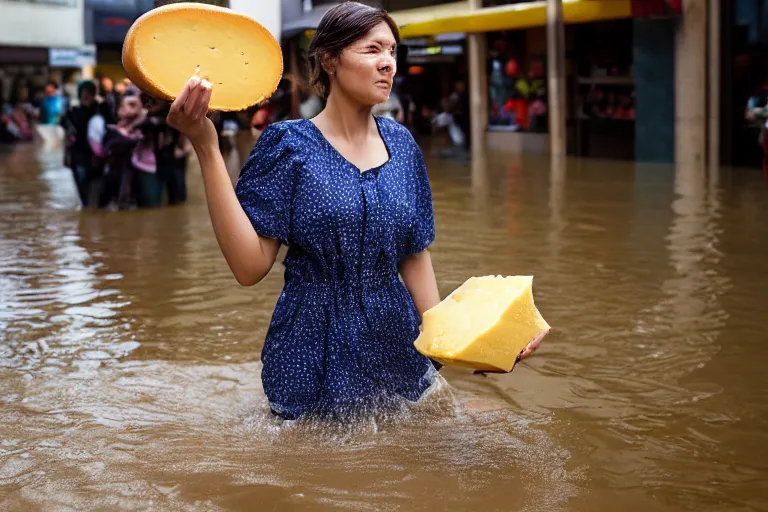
<point>168,45</point>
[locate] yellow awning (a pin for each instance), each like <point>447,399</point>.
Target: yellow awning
<point>456,17</point>
<point>409,16</point>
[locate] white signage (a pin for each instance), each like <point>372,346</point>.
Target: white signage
<point>72,57</point>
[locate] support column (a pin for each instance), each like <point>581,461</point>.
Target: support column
<point>556,72</point>
<point>714,86</point>
<point>478,86</point>
<point>690,84</point>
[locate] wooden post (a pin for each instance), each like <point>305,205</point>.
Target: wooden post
<point>478,86</point>
<point>714,85</point>
<point>556,72</point>
<point>691,85</point>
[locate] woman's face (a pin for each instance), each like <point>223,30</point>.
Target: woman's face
<point>365,70</point>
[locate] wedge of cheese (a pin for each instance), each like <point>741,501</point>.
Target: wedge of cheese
<point>484,324</point>
<point>168,45</point>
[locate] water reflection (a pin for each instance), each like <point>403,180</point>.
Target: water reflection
<point>129,357</point>
<point>481,179</point>
<point>558,169</point>
<point>58,313</point>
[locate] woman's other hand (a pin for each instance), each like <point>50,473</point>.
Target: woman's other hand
<point>189,111</point>
<point>532,346</point>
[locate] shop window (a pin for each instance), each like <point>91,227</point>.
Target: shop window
<point>517,83</point>
<point>605,81</point>
<point>603,90</point>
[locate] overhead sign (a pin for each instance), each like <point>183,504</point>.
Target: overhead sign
<point>449,49</point>
<point>72,57</point>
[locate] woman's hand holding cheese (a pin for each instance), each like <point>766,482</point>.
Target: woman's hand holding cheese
<point>532,346</point>
<point>188,112</point>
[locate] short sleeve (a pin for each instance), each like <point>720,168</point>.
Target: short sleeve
<point>423,231</point>
<point>265,185</point>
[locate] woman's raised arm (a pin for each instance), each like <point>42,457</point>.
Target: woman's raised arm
<point>249,256</point>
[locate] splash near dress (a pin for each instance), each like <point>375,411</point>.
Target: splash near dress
<point>341,336</point>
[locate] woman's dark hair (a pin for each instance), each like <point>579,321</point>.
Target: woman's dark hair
<point>341,26</point>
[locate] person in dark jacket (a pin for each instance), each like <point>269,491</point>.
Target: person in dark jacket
<point>78,153</point>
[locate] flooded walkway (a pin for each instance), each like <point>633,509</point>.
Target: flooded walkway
<point>129,356</point>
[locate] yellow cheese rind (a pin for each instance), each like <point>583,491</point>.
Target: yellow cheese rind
<point>484,324</point>
<point>168,45</point>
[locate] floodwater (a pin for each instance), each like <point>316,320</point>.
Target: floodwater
<point>129,356</point>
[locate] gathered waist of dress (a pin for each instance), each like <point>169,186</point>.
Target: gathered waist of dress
<point>328,281</point>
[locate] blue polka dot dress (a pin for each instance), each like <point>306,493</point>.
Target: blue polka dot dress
<point>341,336</point>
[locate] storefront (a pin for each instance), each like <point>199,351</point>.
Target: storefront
<point>620,87</point>
<point>600,89</point>
<point>429,70</point>
<point>619,68</point>
<point>601,119</point>
<point>517,84</point>
<point>40,40</point>
<point>22,68</point>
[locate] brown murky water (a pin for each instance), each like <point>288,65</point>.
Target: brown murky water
<point>129,356</point>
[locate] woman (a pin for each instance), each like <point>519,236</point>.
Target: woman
<point>348,194</point>
<point>118,145</point>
